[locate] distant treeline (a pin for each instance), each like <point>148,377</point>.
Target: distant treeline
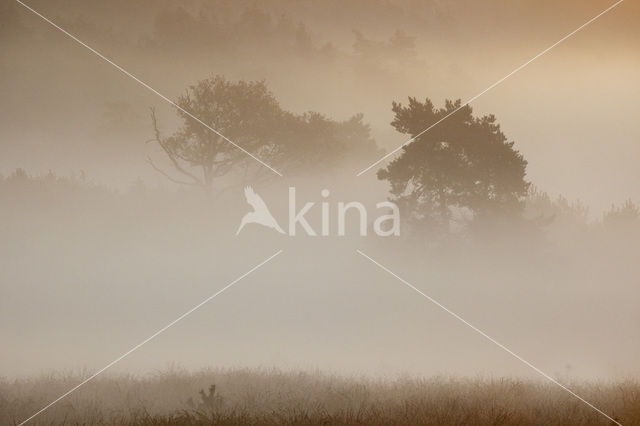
<point>227,28</point>
<point>558,217</point>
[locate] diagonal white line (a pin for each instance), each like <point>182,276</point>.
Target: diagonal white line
<point>150,338</point>
<point>128,74</point>
<point>500,345</point>
<point>491,87</point>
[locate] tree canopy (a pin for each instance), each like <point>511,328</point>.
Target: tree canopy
<point>249,114</point>
<point>463,169</point>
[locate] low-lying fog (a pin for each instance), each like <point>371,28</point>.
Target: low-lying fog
<point>92,265</point>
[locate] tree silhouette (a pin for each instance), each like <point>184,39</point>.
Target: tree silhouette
<point>248,114</point>
<point>462,169</point>
<point>625,217</point>
<point>245,112</point>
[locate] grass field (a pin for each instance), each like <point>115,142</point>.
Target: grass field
<point>272,397</point>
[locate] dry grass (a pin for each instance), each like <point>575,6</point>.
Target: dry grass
<point>274,397</point>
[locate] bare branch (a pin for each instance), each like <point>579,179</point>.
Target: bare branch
<point>165,174</point>
<point>171,154</point>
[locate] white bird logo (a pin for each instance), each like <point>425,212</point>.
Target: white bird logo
<point>260,213</point>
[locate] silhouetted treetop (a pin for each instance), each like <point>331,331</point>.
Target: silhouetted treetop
<point>465,164</point>
<point>248,114</point>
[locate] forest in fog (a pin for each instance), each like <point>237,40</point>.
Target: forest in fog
<point>125,193</point>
